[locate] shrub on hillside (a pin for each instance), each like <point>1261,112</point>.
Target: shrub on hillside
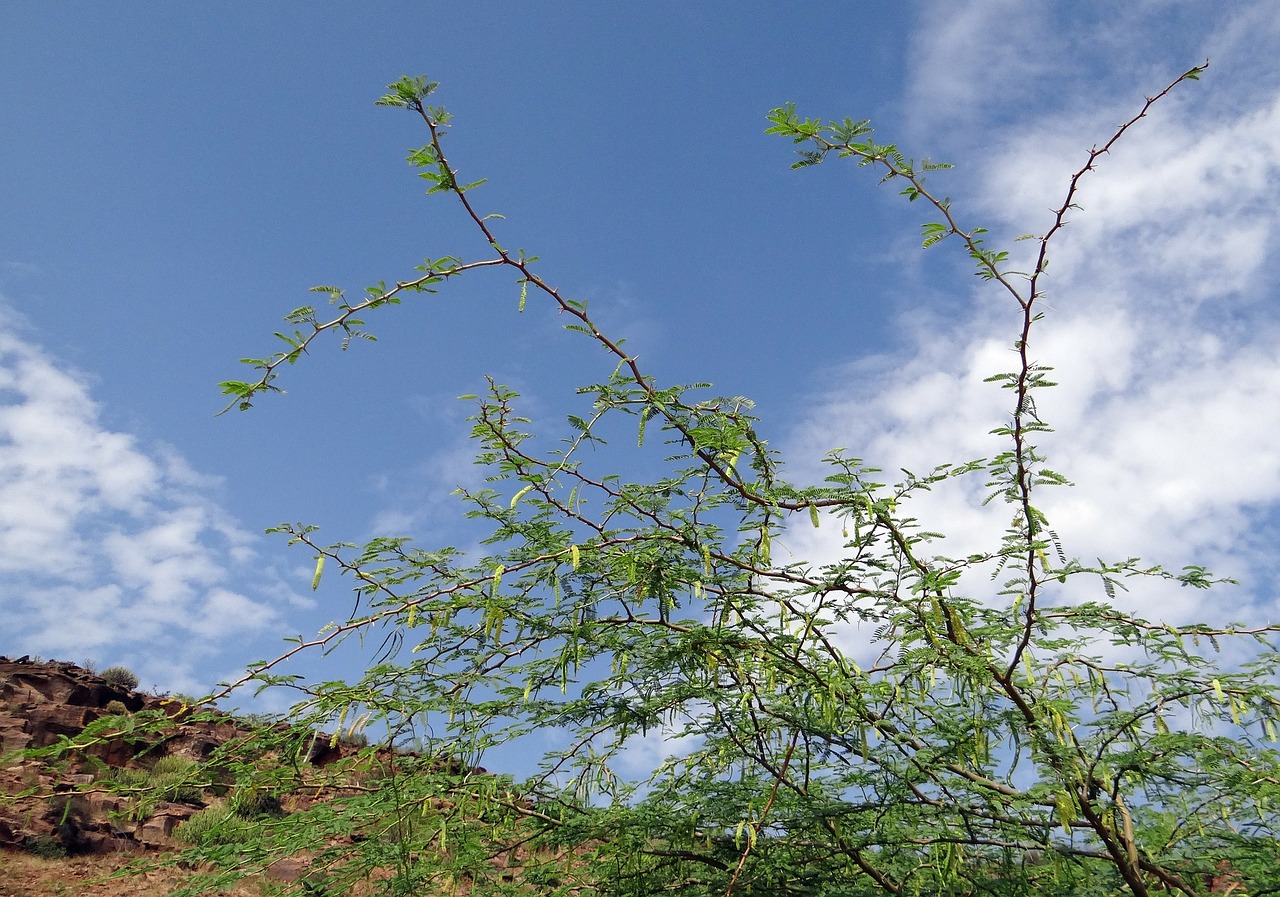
<point>252,803</point>
<point>120,677</point>
<point>47,846</point>
<point>174,786</point>
<point>171,779</point>
<point>173,763</point>
<point>213,826</point>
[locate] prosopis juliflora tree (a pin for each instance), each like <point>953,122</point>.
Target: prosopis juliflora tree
<point>996,746</point>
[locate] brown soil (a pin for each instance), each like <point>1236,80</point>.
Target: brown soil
<point>28,875</point>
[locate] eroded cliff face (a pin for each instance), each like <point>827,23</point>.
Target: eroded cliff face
<point>40,702</point>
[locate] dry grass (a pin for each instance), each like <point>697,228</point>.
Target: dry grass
<point>27,875</point>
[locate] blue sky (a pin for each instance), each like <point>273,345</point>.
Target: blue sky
<point>175,177</point>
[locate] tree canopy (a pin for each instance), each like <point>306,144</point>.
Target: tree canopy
<point>900,720</point>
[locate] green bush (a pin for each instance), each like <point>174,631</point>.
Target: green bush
<point>174,786</point>
<point>47,846</point>
<point>173,763</point>
<point>170,779</point>
<point>116,708</point>
<point>213,826</point>
<point>120,677</point>
<point>131,778</point>
<point>252,803</point>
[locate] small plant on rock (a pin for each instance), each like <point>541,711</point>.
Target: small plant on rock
<point>120,677</point>
<point>213,826</point>
<point>47,846</point>
<point>171,779</point>
<point>173,763</point>
<point>252,803</point>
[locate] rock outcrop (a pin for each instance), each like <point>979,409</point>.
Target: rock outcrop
<point>42,702</point>
<point>46,806</point>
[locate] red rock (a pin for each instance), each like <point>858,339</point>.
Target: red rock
<point>157,831</point>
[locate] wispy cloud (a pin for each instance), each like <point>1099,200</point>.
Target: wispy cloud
<point>1162,328</point>
<point>24,269</point>
<point>109,548</point>
<point>976,55</point>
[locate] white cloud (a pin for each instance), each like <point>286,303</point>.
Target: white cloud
<point>643,754</point>
<point>421,501</point>
<point>109,548</point>
<point>1161,326</point>
<point>973,54</point>
<point>222,613</point>
<point>25,269</point>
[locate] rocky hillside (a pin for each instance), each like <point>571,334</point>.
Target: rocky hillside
<point>71,818</point>
<point>40,703</point>
<point>58,831</point>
